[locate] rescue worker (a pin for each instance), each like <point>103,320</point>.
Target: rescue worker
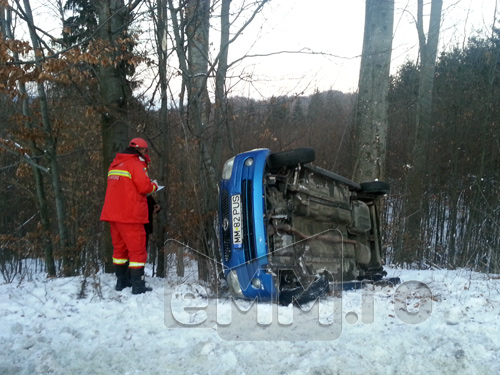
<point>126,210</point>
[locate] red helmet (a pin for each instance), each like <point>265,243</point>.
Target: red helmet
<point>138,142</point>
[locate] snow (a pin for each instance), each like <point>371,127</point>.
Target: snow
<point>438,322</point>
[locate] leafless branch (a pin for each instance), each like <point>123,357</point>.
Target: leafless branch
<point>303,51</point>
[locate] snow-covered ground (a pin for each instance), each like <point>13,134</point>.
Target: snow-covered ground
<point>449,323</point>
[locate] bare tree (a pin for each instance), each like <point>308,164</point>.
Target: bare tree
<point>417,178</point>
<point>159,11</point>
<point>190,28</point>
<point>220,111</point>
<point>114,17</point>
<point>43,204</point>
<point>371,111</point>
<point>50,143</point>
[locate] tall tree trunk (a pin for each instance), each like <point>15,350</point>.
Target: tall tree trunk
<point>161,23</point>
<point>178,22</point>
<point>198,16</point>
<point>220,112</point>
<point>371,111</point>
<point>197,32</point>
<point>51,153</point>
<point>114,89</point>
<point>414,211</point>
<point>114,92</point>
<point>221,119</point>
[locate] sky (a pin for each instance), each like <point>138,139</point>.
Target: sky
<point>335,27</point>
<point>331,34</point>
<point>47,329</point>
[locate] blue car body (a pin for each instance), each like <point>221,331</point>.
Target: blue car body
<point>244,249</point>
<point>290,230</point>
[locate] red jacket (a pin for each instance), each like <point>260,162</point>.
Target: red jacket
<point>128,186</point>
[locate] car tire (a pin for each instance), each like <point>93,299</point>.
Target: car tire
<point>278,160</point>
<point>375,187</point>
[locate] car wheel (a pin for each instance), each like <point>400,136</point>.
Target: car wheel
<point>289,158</point>
<point>376,187</point>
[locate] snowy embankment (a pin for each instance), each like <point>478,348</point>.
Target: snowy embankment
<point>46,329</point>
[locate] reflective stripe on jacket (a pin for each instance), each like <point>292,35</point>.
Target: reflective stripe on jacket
<point>128,186</point>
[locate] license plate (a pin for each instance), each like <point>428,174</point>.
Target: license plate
<point>237,218</point>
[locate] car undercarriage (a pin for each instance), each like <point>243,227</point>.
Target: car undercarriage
<point>321,229</point>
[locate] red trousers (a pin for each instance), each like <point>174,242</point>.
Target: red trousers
<point>129,244</point>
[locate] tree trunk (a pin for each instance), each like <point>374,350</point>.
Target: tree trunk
<point>161,23</point>
<point>51,152</point>
<point>417,175</point>
<point>114,89</point>
<point>220,112</point>
<point>47,246</point>
<point>198,15</point>
<point>197,22</point>
<point>371,111</point>
<point>114,93</point>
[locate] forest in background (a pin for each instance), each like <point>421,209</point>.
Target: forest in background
<point>460,208</point>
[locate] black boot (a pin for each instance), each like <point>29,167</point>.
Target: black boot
<point>138,283</point>
<point>122,276</point>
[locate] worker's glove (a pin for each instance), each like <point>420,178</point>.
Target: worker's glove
<point>155,183</point>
